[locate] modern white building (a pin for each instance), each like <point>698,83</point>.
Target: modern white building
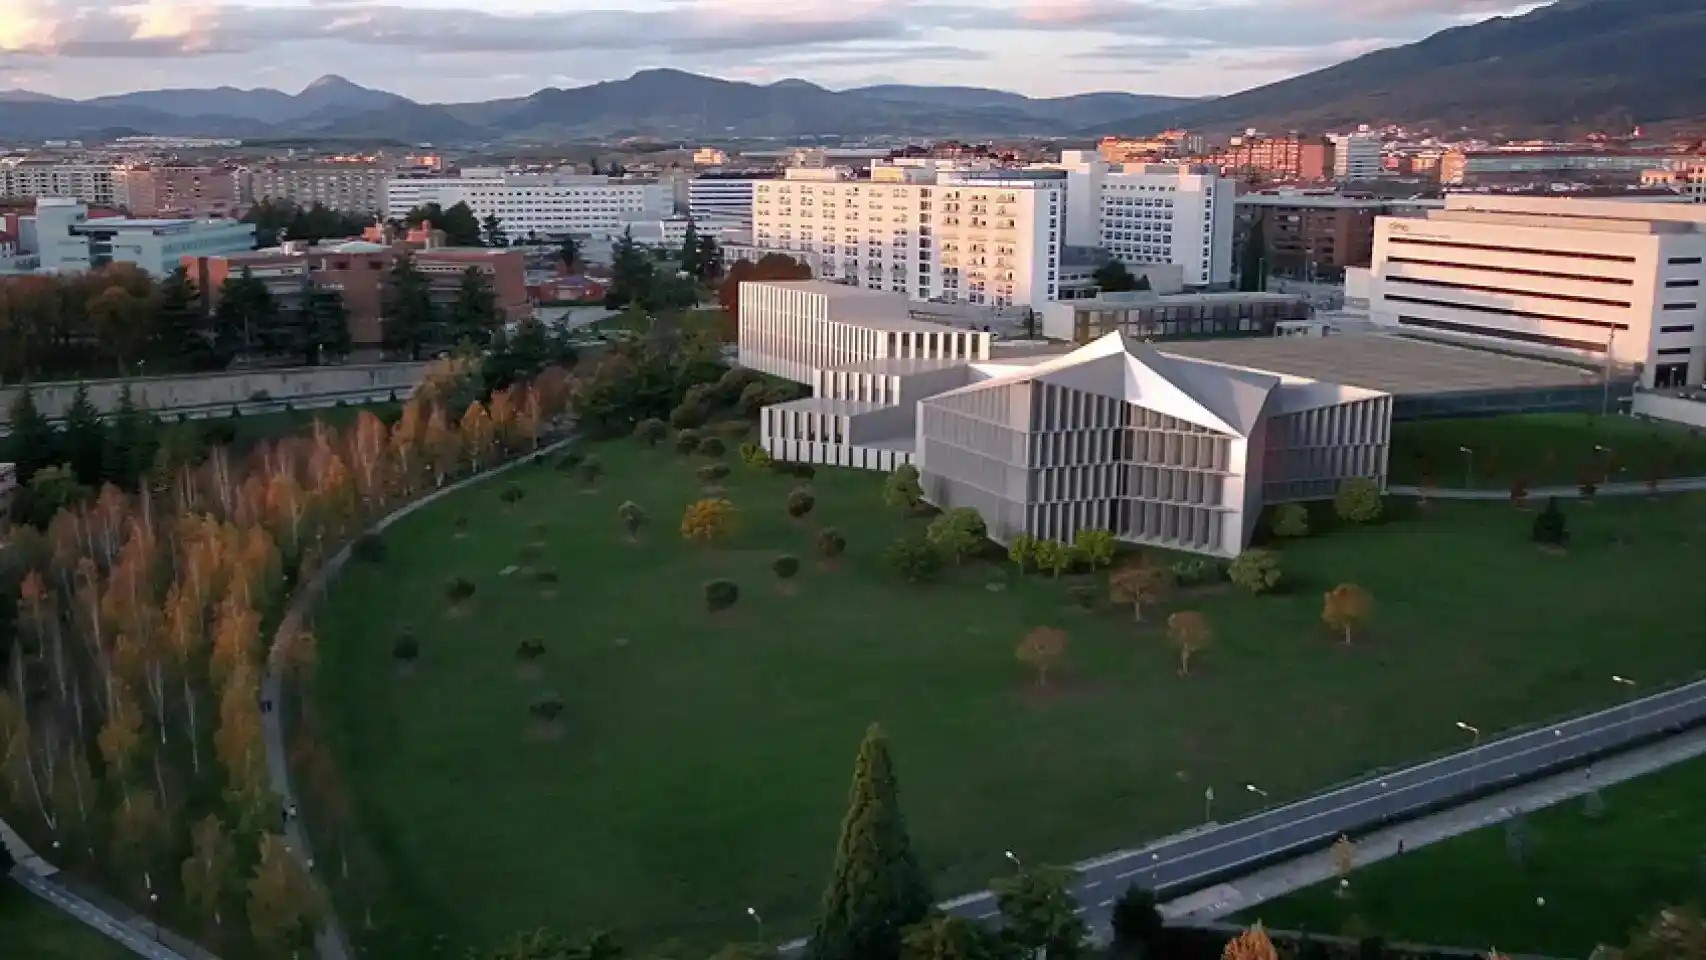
<point>349,187</point>
<point>96,184</point>
<point>69,241</point>
<point>548,204</point>
<point>1357,156</point>
<point>1610,282</point>
<point>1157,448</point>
<point>718,202</point>
<point>1152,213</point>
<point>979,237</point>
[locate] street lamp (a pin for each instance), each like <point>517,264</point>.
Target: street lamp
<point>1015,858</point>
<point>1468,466</point>
<point>153,904</point>
<point>1472,731</point>
<point>753,913</point>
<point>1256,790</point>
<point>1623,680</point>
<point>1605,475</point>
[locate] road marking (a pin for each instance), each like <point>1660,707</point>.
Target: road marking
<point>1092,884</point>
<point>1128,873</point>
<point>1105,903</point>
<point>991,913</point>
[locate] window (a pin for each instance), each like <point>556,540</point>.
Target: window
<point>1675,352</point>
<point>1682,328</point>
<point>1673,284</point>
<point>1682,306</point>
<point>1684,261</point>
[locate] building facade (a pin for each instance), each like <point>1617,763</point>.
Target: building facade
<point>348,187</point>
<point>550,205</point>
<point>1166,145</point>
<point>1356,156</point>
<point>193,192</point>
<point>1149,316</point>
<point>1311,235</point>
<point>1291,158</point>
<point>1607,282</point>
<point>1157,449</point>
<point>1470,168</point>
<point>95,184</point>
<point>1156,213</point>
<point>68,240</point>
<point>719,201</point>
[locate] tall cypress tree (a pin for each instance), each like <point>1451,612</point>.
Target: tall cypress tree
<point>474,315</point>
<point>411,318</point>
<point>325,326</point>
<point>690,251</point>
<point>85,439</point>
<point>1253,264</point>
<point>877,889</point>
<point>185,343</point>
<point>129,448</point>
<point>33,444</point>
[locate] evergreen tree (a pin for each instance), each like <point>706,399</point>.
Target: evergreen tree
<point>325,326</point>
<point>461,228</point>
<point>877,888</point>
<point>492,231</point>
<point>474,315</point>
<point>131,442</point>
<point>1550,527</point>
<point>245,316</point>
<point>411,318</point>
<point>1253,261</point>
<point>85,439</point>
<point>631,272</point>
<point>32,445</point>
<point>1113,277</point>
<point>710,260</point>
<point>184,337</point>
<point>571,252</point>
<point>690,251</point>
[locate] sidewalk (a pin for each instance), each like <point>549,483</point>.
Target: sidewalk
<point>1282,878</point>
<point>1538,494</point>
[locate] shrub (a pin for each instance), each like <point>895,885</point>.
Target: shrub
<point>733,385</point>
<point>785,566</point>
<point>512,494</point>
<point>1291,520</point>
<point>546,707</point>
<point>407,648</point>
<point>902,490</point>
<point>708,520</point>
<point>590,470</point>
<point>800,502</point>
<point>753,397</point>
<point>687,441</point>
<point>1096,547</point>
<point>1190,573</point>
<point>720,595</point>
<point>1550,527</point>
<point>712,447</point>
<point>754,455</point>
<point>632,515</point>
<point>651,432</point>
<point>1257,571</point>
<point>458,590</point>
<point>830,543</point>
<point>1358,501</point>
<point>546,576</point>
<point>713,472</point>
<point>689,415</point>
<point>733,430</point>
<point>957,533</point>
<point>369,548</point>
<point>915,560</point>
<point>571,461</point>
<point>530,649</point>
<point>1084,595</point>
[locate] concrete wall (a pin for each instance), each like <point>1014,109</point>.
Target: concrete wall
<point>190,392</point>
<point>1662,406</point>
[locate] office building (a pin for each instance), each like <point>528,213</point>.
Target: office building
<point>69,240</point>
<point>348,187</point>
<point>1311,235</point>
<point>1167,145</point>
<point>1357,156</point>
<point>96,184</point>
<point>173,191</point>
<point>1686,177</point>
<point>1145,315</point>
<point>1613,283</point>
<point>722,201</point>
<point>1159,449</point>
<point>979,237</point>
<point>1294,158</point>
<point>547,204</point>
<point>1156,213</point>
<point>1518,167</point>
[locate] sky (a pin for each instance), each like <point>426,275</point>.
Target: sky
<point>463,50</point>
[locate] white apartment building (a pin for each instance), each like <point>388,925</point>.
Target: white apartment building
<point>548,204</point>
<point>93,183</point>
<point>1356,156</point>
<point>980,237</point>
<point>1612,282</point>
<point>719,202</point>
<point>1152,213</point>
<point>349,187</point>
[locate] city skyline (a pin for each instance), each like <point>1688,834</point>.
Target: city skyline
<point>449,51</point>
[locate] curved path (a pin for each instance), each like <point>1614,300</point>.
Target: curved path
<point>1619,489</point>
<point>331,941</point>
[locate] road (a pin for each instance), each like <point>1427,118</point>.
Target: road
<point>1187,863</point>
<point>132,935</point>
<point>1539,494</point>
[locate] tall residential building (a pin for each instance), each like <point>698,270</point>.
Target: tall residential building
<point>1156,213</point>
<point>547,204</point>
<point>988,237</point>
<point>1357,156</point>
<point>720,201</point>
<point>96,184</point>
<point>170,190</point>
<point>1612,282</point>
<point>1294,157</point>
<point>349,187</point>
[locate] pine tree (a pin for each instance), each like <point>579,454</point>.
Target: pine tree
<point>570,252</point>
<point>245,315</point>
<point>710,258</point>
<point>690,251</point>
<point>411,319</point>
<point>326,326</point>
<point>33,444</point>
<point>877,888</point>
<point>85,438</point>
<point>185,340</point>
<point>1253,262</point>
<point>492,231</point>
<point>474,315</point>
<point>130,444</point>
<point>631,272</point>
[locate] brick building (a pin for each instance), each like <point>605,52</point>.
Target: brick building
<point>180,191</point>
<point>1311,235</point>
<point>1292,158</point>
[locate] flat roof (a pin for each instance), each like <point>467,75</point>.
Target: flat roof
<point>877,309</point>
<point>1121,301</point>
<point>1398,365</point>
<point>1313,200</point>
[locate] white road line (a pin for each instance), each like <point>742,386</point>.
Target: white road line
<point>1092,884</point>
<point>983,916</point>
<point>1105,903</point>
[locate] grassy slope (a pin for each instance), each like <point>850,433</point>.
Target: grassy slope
<point>1544,448</point>
<point>706,759</point>
<point>30,929</point>
<point>1600,877</point>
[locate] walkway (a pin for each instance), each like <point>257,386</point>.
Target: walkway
<point>331,941</point>
<point>1539,494</point>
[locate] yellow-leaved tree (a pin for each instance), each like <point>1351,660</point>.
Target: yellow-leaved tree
<point>708,521</point>
<point>1346,608</point>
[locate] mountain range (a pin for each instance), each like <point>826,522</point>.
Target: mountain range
<point>1573,64</point>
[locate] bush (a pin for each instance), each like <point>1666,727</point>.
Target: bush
<point>713,472</point>
<point>651,432</point>
<point>785,566</point>
<point>915,560</point>
<point>1084,595</point>
<point>712,447</point>
<point>687,441</point>
<point>546,576</point>
<point>1358,501</point>
<point>512,494</point>
<point>733,385</point>
<point>721,595</point>
<point>571,461</point>
<point>1550,527</point>
<point>957,533</point>
<point>753,398</point>
<point>530,649</point>
<point>458,590</point>
<point>1191,573</point>
<point>546,707</point>
<point>407,648</point>
<point>754,455</point>
<point>688,415</point>
<point>1257,571</point>
<point>830,543</point>
<point>732,430</point>
<point>368,548</point>
<point>800,502</point>
<point>1291,520</point>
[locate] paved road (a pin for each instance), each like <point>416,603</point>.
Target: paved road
<point>1206,857</point>
<point>137,937</point>
<point>1539,494</point>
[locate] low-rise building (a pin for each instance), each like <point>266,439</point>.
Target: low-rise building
<point>1166,145</point>
<point>1294,158</point>
<point>1475,168</point>
<point>1143,315</point>
<point>69,240</point>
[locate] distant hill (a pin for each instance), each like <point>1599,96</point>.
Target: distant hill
<point>1575,63</point>
<point>1077,110</point>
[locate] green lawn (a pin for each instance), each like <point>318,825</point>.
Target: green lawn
<point>1542,448</point>
<point>31,929</point>
<point>705,320</point>
<point>1599,878</point>
<point>706,758</point>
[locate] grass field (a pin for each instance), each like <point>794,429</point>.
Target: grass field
<point>703,320</point>
<point>1599,877</point>
<point>30,929</point>
<point>705,758</point>
<point>1542,448</point>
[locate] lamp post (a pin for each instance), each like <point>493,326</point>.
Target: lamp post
<point>1468,466</point>
<point>753,913</point>
<point>1473,731</point>
<point>1258,791</point>
<point>1605,473</point>
<point>1208,805</point>
<point>153,904</point>
<point>1628,705</point>
<point>1017,863</point>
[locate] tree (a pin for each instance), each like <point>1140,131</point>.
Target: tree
<point>720,595</point>
<point>492,231</point>
<point>325,326</point>
<point>1291,520</point>
<point>1550,528</point>
<point>876,887</point>
<point>1345,608</point>
<point>708,520</point>
<point>1053,556</point>
<point>1041,649</point>
<point>85,439</point>
<point>651,431</point>
<point>51,490</point>
<point>1139,585</point>
<point>411,321</point>
<point>1358,501</point>
<point>284,904</point>
<point>711,447</point>
<point>1113,277</point>
<point>184,333</point>
<point>1257,571</point>
<point>210,869</point>
<point>1022,550</point>
<point>785,567</point>
<point>33,444</point>
<point>632,273</point>
<point>1095,546</point>
<point>474,314</point>
<point>902,490</point>
<point>1189,632</point>
<point>942,937</point>
<point>569,251</point>
<point>689,255</point>
<point>957,533</point>
<point>633,517</point>
<point>131,442</point>
<point>915,560</point>
<point>1253,260</point>
<point>1137,923</point>
<point>461,227</point>
<point>1252,944</point>
<point>1039,913</point>
<point>800,502</point>
<point>830,543</point>
<point>245,316</point>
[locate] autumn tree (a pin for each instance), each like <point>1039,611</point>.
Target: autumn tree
<point>708,521</point>
<point>210,869</point>
<point>1252,944</point>
<point>1189,632</point>
<point>1041,649</point>
<point>284,903</point>
<point>477,435</point>
<point>1345,608</point>
<point>1140,584</point>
